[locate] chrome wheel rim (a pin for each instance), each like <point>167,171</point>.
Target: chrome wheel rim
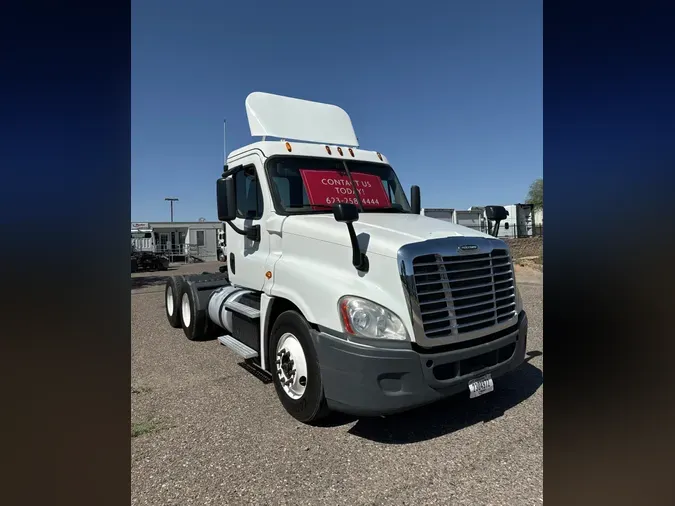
<point>291,366</point>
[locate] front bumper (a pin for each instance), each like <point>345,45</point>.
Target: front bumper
<point>367,381</point>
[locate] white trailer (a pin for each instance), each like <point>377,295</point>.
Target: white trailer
<point>524,220</point>
<point>445,214</point>
<point>519,223</point>
<point>336,286</point>
<point>474,220</point>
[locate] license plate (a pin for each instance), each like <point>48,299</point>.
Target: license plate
<point>480,386</point>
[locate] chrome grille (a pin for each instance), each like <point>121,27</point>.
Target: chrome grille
<point>464,293</point>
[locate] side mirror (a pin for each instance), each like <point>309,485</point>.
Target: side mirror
<point>227,199</point>
<point>345,213</point>
<point>415,200</point>
<point>496,213</point>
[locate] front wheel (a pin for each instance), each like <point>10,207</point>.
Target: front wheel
<point>295,369</point>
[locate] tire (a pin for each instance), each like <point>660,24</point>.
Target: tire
<point>172,293</point>
<point>196,323</point>
<point>308,404</point>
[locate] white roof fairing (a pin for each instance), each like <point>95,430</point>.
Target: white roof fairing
<point>301,120</point>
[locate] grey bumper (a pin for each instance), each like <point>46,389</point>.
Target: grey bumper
<point>365,381</point>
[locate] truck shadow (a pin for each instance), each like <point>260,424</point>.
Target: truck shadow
<point>147,281</point>
<point>452,414</point>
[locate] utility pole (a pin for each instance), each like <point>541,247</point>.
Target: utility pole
<point>171,201</point>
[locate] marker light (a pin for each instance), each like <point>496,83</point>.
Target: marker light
<point>328,150</point>
<point>379,156</point>
<point>288,147</point>
<point>351,152</point>
<point>340,150</point>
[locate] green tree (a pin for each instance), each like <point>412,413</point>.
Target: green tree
<point>535,195</point>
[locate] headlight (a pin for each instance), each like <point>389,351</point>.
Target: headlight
<point>364,318</point>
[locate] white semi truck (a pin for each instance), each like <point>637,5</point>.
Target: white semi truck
<point>336,286</point>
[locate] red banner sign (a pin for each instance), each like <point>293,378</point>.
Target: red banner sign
<point>328,187</point>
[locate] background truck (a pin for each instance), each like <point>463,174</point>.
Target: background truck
<point>520,221</point>
<point>147,261</point>
<point>473,219</point>
<point>222,246</point>
<point>142,238</point>
<point>336,286</point>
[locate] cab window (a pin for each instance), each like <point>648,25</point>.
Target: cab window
<point>249,195</point>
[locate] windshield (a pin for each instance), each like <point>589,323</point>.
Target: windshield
<point>310,185</point>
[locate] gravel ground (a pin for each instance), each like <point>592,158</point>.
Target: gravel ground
<point>525,247</point>
<point>210,432</point>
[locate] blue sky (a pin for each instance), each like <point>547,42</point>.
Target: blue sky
<point>451,92</point>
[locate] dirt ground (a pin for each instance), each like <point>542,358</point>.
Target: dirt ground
<point>526,247</point>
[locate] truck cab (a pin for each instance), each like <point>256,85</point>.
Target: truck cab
<point>337,286</point>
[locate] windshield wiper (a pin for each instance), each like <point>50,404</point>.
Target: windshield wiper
<point>351,181</point>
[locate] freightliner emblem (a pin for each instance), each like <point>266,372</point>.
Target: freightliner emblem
<point>467,247</point>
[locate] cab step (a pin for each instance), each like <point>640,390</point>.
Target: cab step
<point>243,309</point>
<point>238,347</point>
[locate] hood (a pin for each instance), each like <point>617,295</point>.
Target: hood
<point>380,233</point>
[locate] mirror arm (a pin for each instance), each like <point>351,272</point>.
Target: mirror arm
<point>359,260</point>
<point>252,233</point>
<point>230,172</point>
<point>347,214</point>
<point>235,228</point>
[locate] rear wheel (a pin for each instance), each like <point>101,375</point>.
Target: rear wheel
<point>195,323</point>
<point>295,368</point>
<point>172,293</point>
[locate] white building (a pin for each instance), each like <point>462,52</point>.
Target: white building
<point>182,241</point>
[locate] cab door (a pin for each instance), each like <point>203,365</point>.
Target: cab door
<point>246,257</point>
